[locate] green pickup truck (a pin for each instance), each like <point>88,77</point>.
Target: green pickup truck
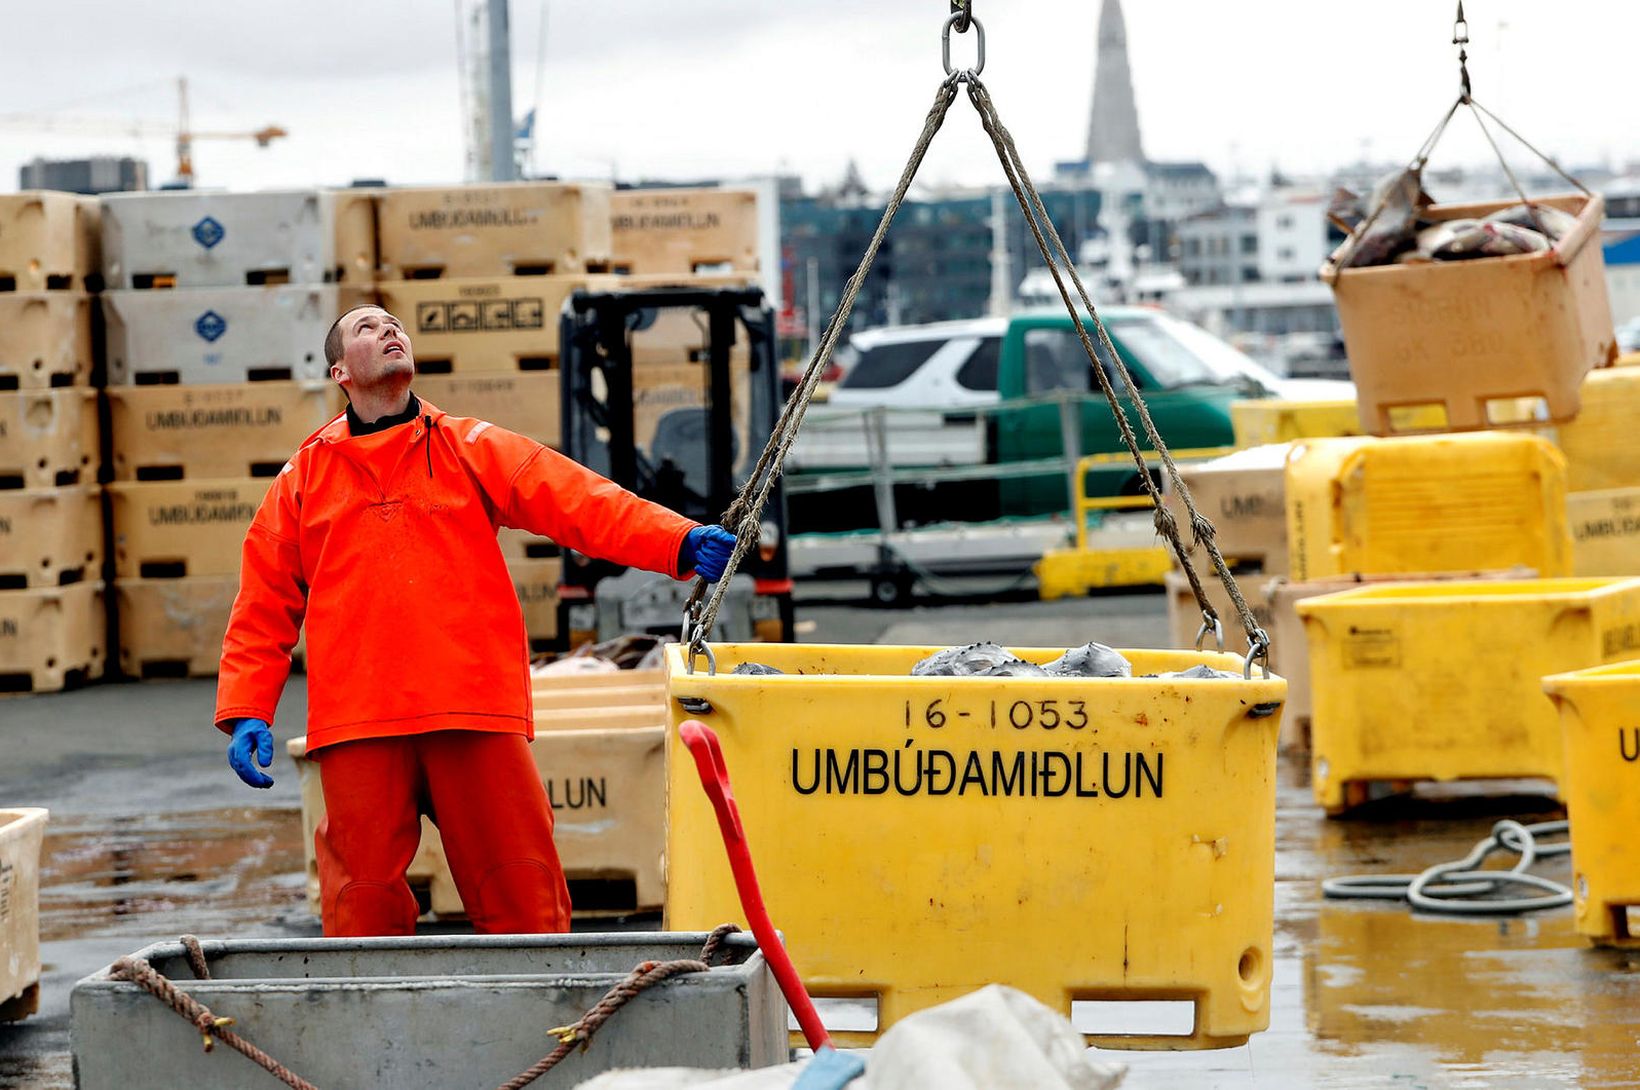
<point>989,391</point>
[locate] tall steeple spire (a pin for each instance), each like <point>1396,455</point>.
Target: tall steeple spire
<point>1113,128</point>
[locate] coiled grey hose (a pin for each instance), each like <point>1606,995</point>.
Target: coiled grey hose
<point>1461,887</point>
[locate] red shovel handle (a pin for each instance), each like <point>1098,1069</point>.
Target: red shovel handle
<point>714,777</point>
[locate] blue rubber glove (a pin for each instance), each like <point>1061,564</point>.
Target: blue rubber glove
<point>706,549</point>
<point>252,745</point>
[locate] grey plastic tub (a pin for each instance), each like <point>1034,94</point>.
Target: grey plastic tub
<point>444,1012</point>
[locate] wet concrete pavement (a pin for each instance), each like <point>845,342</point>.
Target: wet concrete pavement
<point>151,836</point>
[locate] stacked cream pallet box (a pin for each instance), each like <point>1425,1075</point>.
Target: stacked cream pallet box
<point>216,313</point>
<point>477,274</point>
<point>53,625</point>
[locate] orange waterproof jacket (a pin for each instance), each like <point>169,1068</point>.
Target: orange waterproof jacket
<point>386,543</point>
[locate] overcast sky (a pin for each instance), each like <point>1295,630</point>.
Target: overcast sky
<point>693,88</point>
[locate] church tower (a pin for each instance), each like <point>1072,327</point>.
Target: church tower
<point>1113,127</point>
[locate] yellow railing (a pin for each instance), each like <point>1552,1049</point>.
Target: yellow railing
<point>1086,505</point>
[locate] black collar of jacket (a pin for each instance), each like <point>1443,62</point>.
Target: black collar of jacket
<point>359,427</point>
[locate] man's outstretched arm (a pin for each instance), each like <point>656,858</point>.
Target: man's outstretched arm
<point>537,489</point>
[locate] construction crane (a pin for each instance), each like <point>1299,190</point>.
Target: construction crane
<point>183,132</point>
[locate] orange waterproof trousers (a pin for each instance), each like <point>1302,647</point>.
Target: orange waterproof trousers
<point>483,792</point>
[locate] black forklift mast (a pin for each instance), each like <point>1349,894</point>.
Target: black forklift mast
<point>595,334</point>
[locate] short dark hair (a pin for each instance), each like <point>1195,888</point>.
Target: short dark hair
<point>333,339</point>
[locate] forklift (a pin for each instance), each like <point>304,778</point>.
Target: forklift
<point>671,393</point>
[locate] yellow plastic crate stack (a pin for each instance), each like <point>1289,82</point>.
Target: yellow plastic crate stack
<point>1412,509</point>
<point>215,324</point>
<point>52,614</point>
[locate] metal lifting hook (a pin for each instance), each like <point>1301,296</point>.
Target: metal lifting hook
<point>1460,38</point>
<point>966,19</point>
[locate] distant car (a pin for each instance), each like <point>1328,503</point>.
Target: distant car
<point>945,371</point>
<point>946,365</point>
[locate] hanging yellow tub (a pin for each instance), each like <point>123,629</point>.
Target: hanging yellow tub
<point>919,837</point>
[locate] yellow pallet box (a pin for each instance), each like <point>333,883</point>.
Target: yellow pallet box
<point>1280,420</point>
<point>1469,335</point>
<point>684,230</point>
<point>52,638</point>
<point>22,832</point>
<point>244,430</point>
<point>1259,422</point>
<point>45,339</point>
<point>49,241</point>
<point>502,229</point>
<point>605,781</point>
<point>1288,638</point>
<point>524,402</point>
<point>919,837</point>
<point>1602,445</point>
<point>168,529</point>
<point>1442,681</point>
<point>1605,529</point>
<point>1426,504</point>
<point>49,536</point>
<point>1600,726</point>
<point>48,438</point>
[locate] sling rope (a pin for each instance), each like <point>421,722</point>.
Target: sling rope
<point>744,514</point>
<point>579,1033</point>
<point>211,1027</point>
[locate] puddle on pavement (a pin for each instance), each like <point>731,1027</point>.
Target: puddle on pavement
<point>1363,994</point>
<point>156,876</point>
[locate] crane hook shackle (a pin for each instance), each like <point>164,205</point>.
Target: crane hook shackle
<point>979,44</point>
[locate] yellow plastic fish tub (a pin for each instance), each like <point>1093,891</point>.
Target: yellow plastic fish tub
<point>1600,727</point>
<point>1258,422</point>
<point>1602,446</point>
<point>1426,504</point>
<point>1473,336</point>
<point>1442,681</point>
<point>919,837</point>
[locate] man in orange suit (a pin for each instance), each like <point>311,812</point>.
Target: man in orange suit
<point>380,535</point>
